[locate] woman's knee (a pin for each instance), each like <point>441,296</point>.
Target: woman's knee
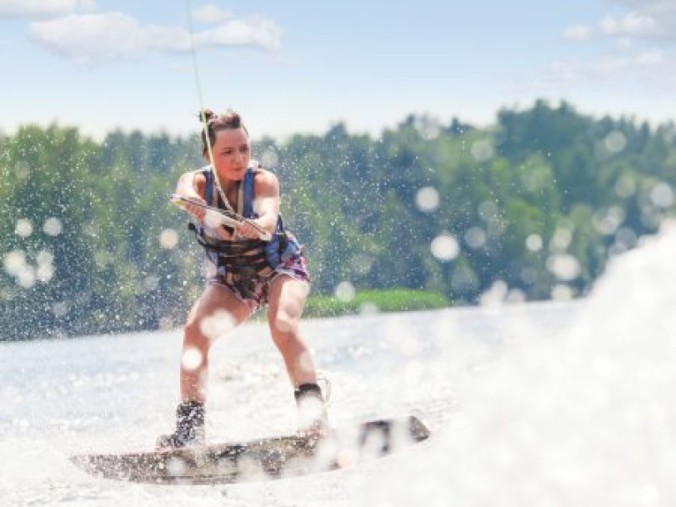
<point>208,322</point>
<point>284,323</point>
<point>193,335</point>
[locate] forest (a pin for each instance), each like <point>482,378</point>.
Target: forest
<point>529,208</point>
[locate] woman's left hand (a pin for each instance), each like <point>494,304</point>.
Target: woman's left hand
<point>246,230</point>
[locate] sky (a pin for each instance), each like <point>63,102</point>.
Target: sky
<point>302,66</point>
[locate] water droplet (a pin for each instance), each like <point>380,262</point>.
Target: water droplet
<point>191,359</point>
<point>168,239</point>
<point>345,291</point>
<point>475,237</point>
<point>662,195</point>
<point>270,159</point>
<point>482,151</point>
<point>427,199</point>
<point>23,228</point>
<point>445,247</point>
<point>534,242</point>
<point>615,142</point>
<point>565,267</point>
<point>52,227</point>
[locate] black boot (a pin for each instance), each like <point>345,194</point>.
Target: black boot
<point>189,427</point>
<point>312,417</point>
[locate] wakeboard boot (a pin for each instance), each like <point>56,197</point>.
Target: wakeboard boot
<point>312,416</point>
<point>189,427</point>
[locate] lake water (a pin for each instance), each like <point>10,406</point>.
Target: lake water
<point>546,404</point>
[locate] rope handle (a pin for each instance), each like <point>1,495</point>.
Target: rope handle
<point>224,217</point>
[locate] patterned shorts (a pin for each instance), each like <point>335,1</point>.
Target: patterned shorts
<point>254,291</point>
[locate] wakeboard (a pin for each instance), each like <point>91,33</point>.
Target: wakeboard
<point>260,459</point>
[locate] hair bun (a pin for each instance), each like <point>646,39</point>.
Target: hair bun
<point>206,115</point>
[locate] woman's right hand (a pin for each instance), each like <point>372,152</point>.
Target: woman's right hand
<point>188,189</point>
<point>197,210</point>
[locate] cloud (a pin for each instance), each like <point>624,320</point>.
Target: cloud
<point>641,50</point>
<point>650,70</point>
<point>648,21</point>
<point>579,33</point>
<point>630,63</point>
<point>93,39</point>
<point>262,33</point>
<point>210,14</point>
<point>631,25</point>
<point>41,8</point>
<point>622,62</point>
<point>652,7</point>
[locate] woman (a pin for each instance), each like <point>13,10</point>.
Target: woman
<point>243,273</point>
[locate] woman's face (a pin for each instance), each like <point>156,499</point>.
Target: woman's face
<point>232,153</point>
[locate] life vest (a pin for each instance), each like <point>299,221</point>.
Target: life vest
<point>244,257</point>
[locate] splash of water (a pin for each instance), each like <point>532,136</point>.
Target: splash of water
<point>584,418</point>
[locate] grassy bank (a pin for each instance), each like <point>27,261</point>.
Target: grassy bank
<point>395,300</point>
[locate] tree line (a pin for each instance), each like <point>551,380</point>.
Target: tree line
<point>529,208</point>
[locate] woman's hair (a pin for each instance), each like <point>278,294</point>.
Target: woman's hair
<point>215,122</point>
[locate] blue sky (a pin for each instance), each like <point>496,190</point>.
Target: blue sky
<point>300,66</point>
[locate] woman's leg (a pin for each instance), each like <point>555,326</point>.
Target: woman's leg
<point>215,313</point>
<point>285,306</point>
<point>286,300</point>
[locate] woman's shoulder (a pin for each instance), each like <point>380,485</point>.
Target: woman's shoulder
<point>261,174</point>
<point>195,178</point>
<point>264,179</point>
<point>196,175</point>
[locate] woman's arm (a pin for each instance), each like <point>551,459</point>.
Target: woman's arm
<point>266,204</point>
<point>191,186</point>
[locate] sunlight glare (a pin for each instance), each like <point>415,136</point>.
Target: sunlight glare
<point>561,240</point>
<point>565,267</point>
<point>662,195</point>
<point>191,359</point>
<point>482,151</point>
<point>534,242</point>
<point>615,142</point>
<point>345,291</point>
<point>212,219</point>
<point>495,295</point>
<point>475,237</point>
<point>361,264</point>
<point>625,186</point>
<point>427,127</point>
<point>427,199</point>
<point>270,159</point>
<point>15,262</point>
<point>168,239</point>
<point>52,226</point>
<point>609,220</point>
<point>217,324</point>
<point>562,292</point>
<point>24,228</point>
<point>445,247</point>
